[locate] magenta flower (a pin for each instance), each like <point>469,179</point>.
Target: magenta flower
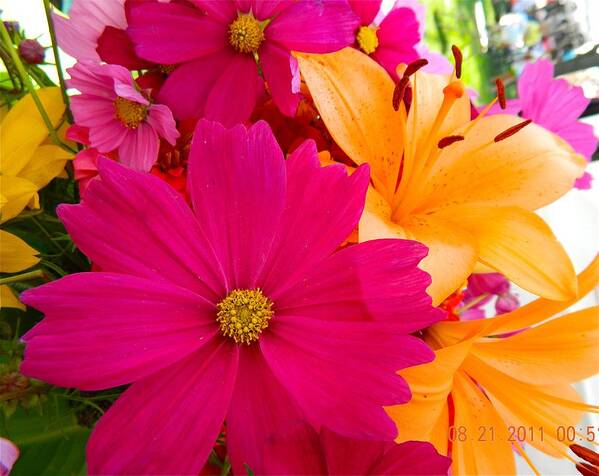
<point>556,105</point>
<point>299,450</point>
<point>78,35</point>
<point>9,453</point>
<point>482,288</point>
<point>239,310</point>
<point>96,31</point>
<point>395,38</point>
<point>390,42</point>
<point>119,115</point>
<point>219,47</point>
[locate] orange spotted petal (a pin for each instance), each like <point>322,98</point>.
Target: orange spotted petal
<point>529,169</point>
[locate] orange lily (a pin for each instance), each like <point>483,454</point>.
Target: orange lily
<point>483,396</point>
<point>470,201</point>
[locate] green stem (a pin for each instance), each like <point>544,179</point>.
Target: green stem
<point>63,84</point>
<point>59,248</point>
<point>226,468</point>
<point>38,273</point>
<point>27,81</point>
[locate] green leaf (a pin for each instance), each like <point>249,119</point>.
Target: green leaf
<point>49,438</point>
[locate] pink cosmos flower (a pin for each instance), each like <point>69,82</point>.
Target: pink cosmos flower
<point>9,454</point>
<point>96,31</point>
<point>396,37</point>
<point>119,115</point>
<point>300,450</point>
<point>239,309</point>
<point>482,288</point>
<point>391,41</point>
<point>220,47</point>
<point>78,35</point>
<point>556,105</point>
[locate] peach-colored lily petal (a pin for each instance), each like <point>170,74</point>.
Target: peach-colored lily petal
<point>479,435</point>
<point>519,244</point>
<point>360,118</point>
<point>529,169</point>
<point>531,356</point>
<point>452,253</point>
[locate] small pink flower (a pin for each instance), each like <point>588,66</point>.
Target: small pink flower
<point>9,453</point>
<point>395,38</point>
<point>391,41</point>
<point>300,450</point>
<point>78,35</point>
<point>220,48</point>
<point>482,288</point>
<point>556,105</point>
<point>119,115</point>
<point>240,309</point>
<point>96,31</point>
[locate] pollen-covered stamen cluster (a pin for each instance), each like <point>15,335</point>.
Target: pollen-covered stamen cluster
<point>367,39</point>
<point>167,68</point>
<point>130,113</point>
<point>244,314</point>
<point>245,34</point>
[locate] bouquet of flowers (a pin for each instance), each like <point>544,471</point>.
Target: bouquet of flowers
<point>277,237</point>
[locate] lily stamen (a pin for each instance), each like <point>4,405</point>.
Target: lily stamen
<point>457,57</point>
<point>501,93</point>
<point>511,131</point>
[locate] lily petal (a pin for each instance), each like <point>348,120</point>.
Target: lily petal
<point>23,129</point>
<point>521,246</point>
<point>15,254</point>
<point>46,163</point>
<point>16,193</point>
<point>8,299</point>
<point>475,414</point>
<point>353,95</point>
<point>452,253</point>
<point>530,356</point>
<point>530,169</point>
<point>535,312</point>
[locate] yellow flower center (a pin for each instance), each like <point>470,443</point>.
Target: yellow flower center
<point>167,68</point>
<point>130,113</point>
<point>244,314</point>
<point>367,39</point>
<point>245,34</point>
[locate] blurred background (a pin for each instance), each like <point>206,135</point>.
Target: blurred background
<point>497,38</point>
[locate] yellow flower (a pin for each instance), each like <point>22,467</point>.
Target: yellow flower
<point>27,161</point>
<point>471,202</point>
<point>486,396</point>
<point>15,256</point>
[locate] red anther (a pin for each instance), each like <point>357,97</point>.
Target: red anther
<point>414,66</point>
<point>400,87</point>
<point>457,57</point>
<point>587,469</point>
<point>512,130</point>
<point>398,92</point>
<point>586,454</point>
<point>500,93</point>
<point>448,141</point>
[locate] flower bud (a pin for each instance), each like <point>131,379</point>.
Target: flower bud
<point>32,52</point>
